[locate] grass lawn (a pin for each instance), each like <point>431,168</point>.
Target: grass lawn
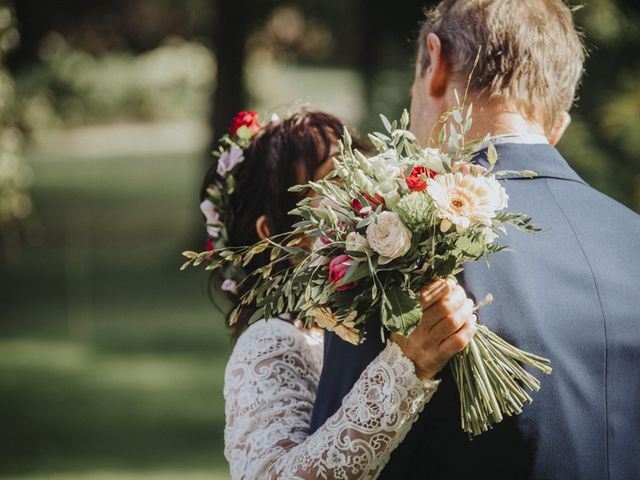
<point>111,360</point>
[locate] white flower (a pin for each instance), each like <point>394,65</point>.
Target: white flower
<point>389,191</point>
<point>229,286</point>
<point>501,194</point>
<point>229,159</point>
<point>388,236</point>
<point>214,221</point>
<point>357,243</point>
<point>385,165</point>
<point>465,200</point>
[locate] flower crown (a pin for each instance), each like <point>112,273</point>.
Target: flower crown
<point>215,207</point>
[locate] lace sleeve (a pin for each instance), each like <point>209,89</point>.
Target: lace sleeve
<point>270,387</point>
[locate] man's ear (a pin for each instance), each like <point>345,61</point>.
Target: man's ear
<point>262,229</point>
<point>559,127</point>
<point>438,67</point>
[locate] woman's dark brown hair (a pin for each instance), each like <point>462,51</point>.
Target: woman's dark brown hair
<point>282,154</point>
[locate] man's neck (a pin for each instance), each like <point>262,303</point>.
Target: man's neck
<point>495,120</point>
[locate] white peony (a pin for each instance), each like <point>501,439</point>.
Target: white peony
<point>465,200</point>
<point>214,221</point>
<point>357,243</point>
<point>388,236</point>
<point>229,159</point>
<point>385,165</point>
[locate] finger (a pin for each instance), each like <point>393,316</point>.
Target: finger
<point>452,323</point>
<point>445,306</point>
<point>433,292</point>
<point>457,342</point>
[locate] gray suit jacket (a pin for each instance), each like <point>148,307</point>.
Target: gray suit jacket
<point>570,293</point>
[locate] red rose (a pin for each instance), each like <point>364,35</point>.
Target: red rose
<point>414,180</point>
<point>338,268</point>
<point>245,119</point>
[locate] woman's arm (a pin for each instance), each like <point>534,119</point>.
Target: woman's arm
<point>271,382</point>
<point>270,388</point>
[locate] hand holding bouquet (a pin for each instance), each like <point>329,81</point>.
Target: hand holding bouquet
<point>383,227</point>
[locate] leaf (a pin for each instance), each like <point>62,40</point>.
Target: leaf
<point>356,271</point>
<point>377,143</point>
<point>382,136</point>
<point>257,315</point>
<point>386,123</point>
<point>244,133</point>
<point>405,311</point>
<point>469,247</point>
<point>404,120</point>
<point>492,154</point>
<point>347,138</point>
<point>457,116</point>
<point>364,222</point>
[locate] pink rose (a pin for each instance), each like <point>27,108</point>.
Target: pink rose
<point>338,268</point>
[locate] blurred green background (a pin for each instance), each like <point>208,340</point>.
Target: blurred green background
<point>111,361</point>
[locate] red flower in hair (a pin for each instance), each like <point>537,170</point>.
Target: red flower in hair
<point>245,119</point>
<point>417,184</point>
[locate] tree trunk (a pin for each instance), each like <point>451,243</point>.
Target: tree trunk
<point>230,49</point>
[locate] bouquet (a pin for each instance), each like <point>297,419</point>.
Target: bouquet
<point>383,227</point>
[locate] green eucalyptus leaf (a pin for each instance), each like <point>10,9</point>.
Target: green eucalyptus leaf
<point>405,313</point>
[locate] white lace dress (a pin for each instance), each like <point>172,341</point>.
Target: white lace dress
<point>269,391</point>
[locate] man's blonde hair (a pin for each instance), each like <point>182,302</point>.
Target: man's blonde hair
<point>529,54</point>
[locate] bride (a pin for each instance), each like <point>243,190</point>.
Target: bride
<point>273,372</point>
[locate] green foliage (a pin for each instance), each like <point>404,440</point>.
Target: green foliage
<point>15,175</point>
<point>72,87</point>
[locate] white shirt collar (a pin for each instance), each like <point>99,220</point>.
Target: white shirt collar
<point>522,138</point>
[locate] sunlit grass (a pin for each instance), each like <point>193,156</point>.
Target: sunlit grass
<point>111,360</point>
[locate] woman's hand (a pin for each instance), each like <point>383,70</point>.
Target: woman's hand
<point>447,326</point>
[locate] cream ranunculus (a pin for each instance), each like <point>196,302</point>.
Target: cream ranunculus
<point>465,200</point>
<point>388,236</point>
<point>357,243</point>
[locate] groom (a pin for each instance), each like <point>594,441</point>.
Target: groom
<point>570,293</point>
